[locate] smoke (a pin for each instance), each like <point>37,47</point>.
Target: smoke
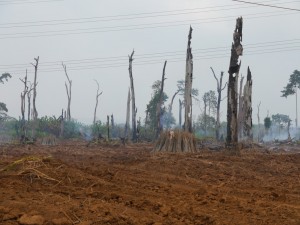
<point>280,133</point>
<point>86,133</point>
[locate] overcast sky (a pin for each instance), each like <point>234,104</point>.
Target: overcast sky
<point>94,38</point>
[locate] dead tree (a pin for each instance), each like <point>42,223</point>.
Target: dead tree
<point>247,108</point>
<point>258,121</point>
<point>188,86</point>
<point>288,130</point>
<point>127,115</point>
<point>180,113</point>
<point>241,110</point>
<point>23,95</point>
<point>69,92</point>
<point>219,90</point>
<point>172,100</point>
<point>62,124</point>
<point>35,113</point>
<point>97,97</point>
<point>160,102</point>
<point>108,132</point>
<point>29,101</point>
<point>112,122</point>
<point>234,68</point>
<point>133,108</point>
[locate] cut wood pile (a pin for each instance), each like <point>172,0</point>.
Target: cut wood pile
<point>176,141</point>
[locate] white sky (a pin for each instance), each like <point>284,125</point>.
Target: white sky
<point>89,35</point>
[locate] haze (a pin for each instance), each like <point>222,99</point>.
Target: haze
<point>94,41</point>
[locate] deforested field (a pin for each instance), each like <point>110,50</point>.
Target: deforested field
<point>76,183</point>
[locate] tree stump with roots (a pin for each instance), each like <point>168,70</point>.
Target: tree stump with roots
<point>176,141</point>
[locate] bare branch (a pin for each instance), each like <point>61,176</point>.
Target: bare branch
<point>224,86</point>
<point>215,77</point>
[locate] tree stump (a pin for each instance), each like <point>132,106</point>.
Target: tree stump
<point>176,141</point>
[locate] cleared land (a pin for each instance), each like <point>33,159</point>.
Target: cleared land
<point>71,183</point>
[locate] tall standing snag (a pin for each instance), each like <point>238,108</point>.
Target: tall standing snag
<point>134,136</point>
<point>69,92</point>
<point>188,86</point>
<point>219,90</point>
<point>181,105</point>
<point>35,113</point>
<point>158,107</point>
<point>232,94</point>
<point>241,109</point>
<point>127,115</point>
<point>23,95</point>
<point>29,100</point>
<point>247,108</point>
<point>97,97</point>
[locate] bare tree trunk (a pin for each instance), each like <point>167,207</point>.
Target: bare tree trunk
<point>133,108</point>
<point>171,104</point>
<point>127,115</point>
<point>180,113</point>
<point>234,68</point>
<point>288,129</point>
<point>29,101</point>
<point>108,133</point>
<point>97,97</point>
<point>258,121</point>
<point>188,86</point>
<point>112,120</point>
<point>62,124</point>
<point>159,126</point>
<point>241,110</point>
<point>247,107</point>
<point>219,90</point>
<point>35,113</point>
<point>69,92</point>
<point>23,95</point>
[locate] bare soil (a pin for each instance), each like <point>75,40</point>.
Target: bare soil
<point>72,183</point>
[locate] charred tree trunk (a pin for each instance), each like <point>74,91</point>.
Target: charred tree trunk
<point>205,115</point>
<point>35,113</point>
<point>133,108</point>
<point>219,90</point>
<point>97,99</point>
<point>159,104</point>
<point>234,68</point>
<point>62,124</point>
<point>180,113</point>
<point>288,130</point>
<point>247,114</point>
<point>127,115</point>
<point>258,121</point>
<point>108,132</point>
<point>241,110</point>
<point>23,95</point>
<point>29,101</point>
<point>188,86</point>
<point>69,92</point>
<point>112,122</point>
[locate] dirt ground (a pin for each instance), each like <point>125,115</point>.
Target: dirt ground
<point>72,183</point>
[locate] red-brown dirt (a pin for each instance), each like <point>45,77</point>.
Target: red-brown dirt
<point>74,184</point>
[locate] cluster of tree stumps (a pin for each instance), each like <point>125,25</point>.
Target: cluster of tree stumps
<point>176,141</point>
